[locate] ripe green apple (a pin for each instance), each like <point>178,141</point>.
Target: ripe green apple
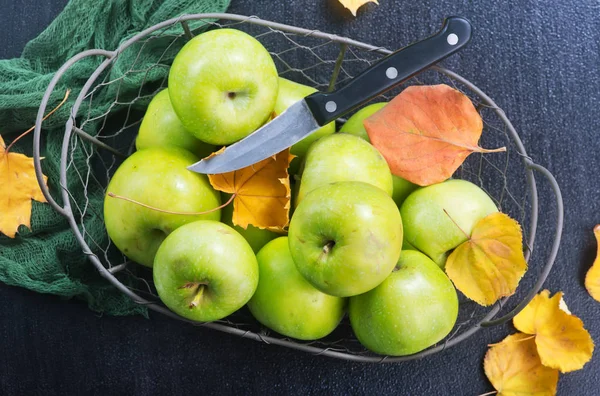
<point>223,85</point>
<point>289,93</point>
<point>343,157</point>
<point>161,128</point>
<point>435,232</point>
<point>415,307</point>
<point>205,271</point>
<point>346,237</point>
<point>402,189</point>
<point>256,237</point>
<point>354,126</point>
<point>157,177</point>
<point>286,303</point>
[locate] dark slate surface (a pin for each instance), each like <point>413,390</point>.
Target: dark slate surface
<point>539,59</point>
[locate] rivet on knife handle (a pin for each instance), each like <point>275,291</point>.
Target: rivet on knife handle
<point>390,71</point>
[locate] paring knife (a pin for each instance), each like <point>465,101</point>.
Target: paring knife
<point>307,115</point>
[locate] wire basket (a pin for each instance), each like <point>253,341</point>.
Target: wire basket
<point>324,61</point>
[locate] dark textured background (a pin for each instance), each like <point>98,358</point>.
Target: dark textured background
<point>540,61</point>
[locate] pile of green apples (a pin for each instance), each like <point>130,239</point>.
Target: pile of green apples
<point>361,242</point>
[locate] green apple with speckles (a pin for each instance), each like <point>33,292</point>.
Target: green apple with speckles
<point>160,127</point>
<point>354,126</point>
<point>438,218</point>
<point>205,271</point>
<point>343,157</point>
<point>223,85</point>
<point>286,303</point>
<point>256,237</point>
<point>346,237</point>
<point>156,177</point>
<point>289,93</point>
<point>415,307</point>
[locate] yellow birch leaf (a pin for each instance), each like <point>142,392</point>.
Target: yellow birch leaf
<point>514,368</point>
<point>491,263</point>
<point>592,278</point>
<point>354,5</point>
<point>561,339</point>
<point>18,187</point>
<point>262,192</point>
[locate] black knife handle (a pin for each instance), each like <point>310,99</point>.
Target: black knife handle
<point>390,71</point>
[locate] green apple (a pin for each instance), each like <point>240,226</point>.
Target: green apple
<point>342,157</point>
<point>223,85</point>
<point>156,177</point>
<point>256,237</point>
<point>205,271</point>
<point>415,307</point>
<point>161,128</point>
<point>402,189</point>
<point>439,217</point>
<point>286,303</point>
<point>291,92</point>
<point>354,126</point>
<point>406,245</point>
<point>346,237</point>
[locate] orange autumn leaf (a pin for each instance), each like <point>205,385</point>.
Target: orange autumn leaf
<point>592,278</point>
<point>514,368</point>
<point>262,192</point>
<point>19,187</point>
<point>426,132</point>
<point>354,5</point>
<point>491,263</point>
<point>561,339</point>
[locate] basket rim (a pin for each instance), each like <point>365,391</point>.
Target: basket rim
<point>66,210</point>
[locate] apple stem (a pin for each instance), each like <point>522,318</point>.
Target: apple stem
<point>43,119</point>
<point>456,224</point>
<point>112,195</point>
<point>328,246</point>
<point>197,296</point>
<point>198,292</point>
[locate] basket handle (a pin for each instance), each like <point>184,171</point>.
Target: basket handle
<point>553,252</point>
<point>39,119</point>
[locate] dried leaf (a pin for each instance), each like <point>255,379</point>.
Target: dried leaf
<point>592,278</point>
<point>491,263</point>
<point>19,187</point>
<point>514,368</point>
<point>354,5</point>
<point>262,192</point>
<point>561,340</point>
<point>426,132</point>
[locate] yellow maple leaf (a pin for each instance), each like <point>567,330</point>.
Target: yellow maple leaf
<point>514,368</point>
<point>562,342</point>
<point>592,278</point>
<point>262,192</point>
<point>19,187</point>
<point>354,5</point>
<point>491,263</point>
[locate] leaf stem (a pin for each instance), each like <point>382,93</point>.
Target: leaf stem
<point>489,393</point>
<point>456,224</point>
<point>485,151</point>
<point>522,339</point>
<point>112,195</point>
<point>43,119</point>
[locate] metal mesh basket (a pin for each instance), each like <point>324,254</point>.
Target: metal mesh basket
<point>323,61</point>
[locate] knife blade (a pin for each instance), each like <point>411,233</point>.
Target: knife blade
<point>309,114</point>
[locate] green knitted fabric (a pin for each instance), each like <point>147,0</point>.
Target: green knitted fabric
<point>47,258</point>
